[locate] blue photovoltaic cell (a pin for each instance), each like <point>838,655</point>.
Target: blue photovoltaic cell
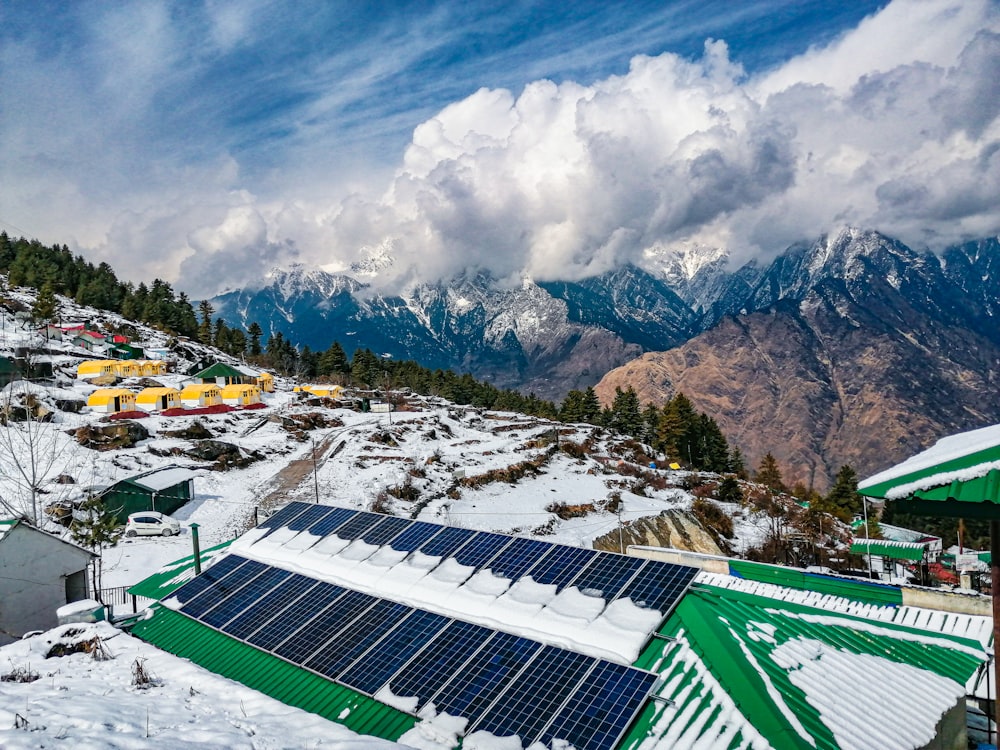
<point>659,585</point>
<point>265,609</point>
<point>517,557</point>
<point>315,633</point>
<point>296,616</point>
<point>598,713</point>
<point>283,516</point>
<point>418,533</point>
<point>331,521</point>
<point>561,565</point>
<point>529,702</point>
<point>358,525</point>
<point>235,603</point>
<point>223,588</point>
<point>608,574</point>
<point>195,586</point>
<point>476,686</point>
<point>449,540</point>
<point>482,548</point>
<point>311,514</point>
<point>433,667</point>
<point>354,639</point>
<point>385,530</point>
<point>398,647</point>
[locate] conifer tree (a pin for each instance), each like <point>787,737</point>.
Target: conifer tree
<point>843,499</point>
<point>625,415</point>
<point>769,475</point>
<point>206,311</point>
<point>254,332</point>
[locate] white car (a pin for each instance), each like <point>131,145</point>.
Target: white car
<point>151,523</point>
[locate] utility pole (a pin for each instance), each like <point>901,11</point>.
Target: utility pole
<point>315,477</point>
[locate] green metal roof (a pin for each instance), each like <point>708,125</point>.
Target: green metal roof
<point>889,548</point>
<point>185,637</point>
<point>730,687</point>
<point>220,370</point>
<point>174,575</point>
<point>795,578</point>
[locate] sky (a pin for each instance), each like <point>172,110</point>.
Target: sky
<point>207,142</point>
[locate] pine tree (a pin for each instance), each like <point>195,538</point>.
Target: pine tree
<point>45,307</point>
<point>625,415</point>
<point>254,332</point>
<point>206,311</point>
<point>769,475</point>
<point>729,490</point>
<point>843,499</point>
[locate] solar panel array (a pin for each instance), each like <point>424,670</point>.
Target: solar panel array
<point>499,682</point>
<point>649,584</point>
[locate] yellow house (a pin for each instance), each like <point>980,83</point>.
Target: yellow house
<point>328,391</point>
<point>126,368</point>
<point>266,382</point>
<point>92,367</point>
<point>158,399</point>
<point>148,367</point>
<point>201,394</point>
<point>111,400</point>
<point>240,394</point>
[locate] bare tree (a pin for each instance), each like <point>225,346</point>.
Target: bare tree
<point>31,451</point>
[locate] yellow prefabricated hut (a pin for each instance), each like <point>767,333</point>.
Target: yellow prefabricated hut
<point>266,382</point>
<point>201,394</point>
<point>93,367</point>
<point>158,399</point>
<point>240,394</point>
<point>329,391</point>
<point>111,400</point>
<point>126,368</point>
<point>149,367</point>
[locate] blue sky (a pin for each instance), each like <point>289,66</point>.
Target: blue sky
<point>181,139</point>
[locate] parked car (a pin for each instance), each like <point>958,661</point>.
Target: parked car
<point>151,523</point>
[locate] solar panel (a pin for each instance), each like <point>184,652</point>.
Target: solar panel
<point>482,548</point>
<point>264,609</point>
<point>358,525</point>
<point>600,710</point>
<point>608,574</point>
<point>418,533</point>
<point>312,514</point>
<point>292,618</point>
<point>355,638</point>
<point>472,690</point>
<point>373,670</point>
<point>232,605</point>
<point>659,585</point>
<point>440,661</point>
<point>283,516</point>
<point>313,635</point>
<point>518,556</point>
<point>526,707</point>
<point>561,565</point>
<point>445,543</point>
<point>333,520</point>
<point>386,529</point>
<point>223,588</point>
<point>195,586</point>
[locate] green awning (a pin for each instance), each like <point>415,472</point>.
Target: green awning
<point>888,548</point>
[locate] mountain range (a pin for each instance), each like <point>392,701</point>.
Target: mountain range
<point>853,348</point>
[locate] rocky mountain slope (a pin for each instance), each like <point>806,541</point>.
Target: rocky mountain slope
<point>863,352</point>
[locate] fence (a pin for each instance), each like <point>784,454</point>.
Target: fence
<point>121,600</point>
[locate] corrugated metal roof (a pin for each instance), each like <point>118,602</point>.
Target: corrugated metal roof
<point>888,548</point>
<point>182,636</point>
<point>862,591</point>
<point>174,575</point>
<point>734,682</point>
<point>161,479</point>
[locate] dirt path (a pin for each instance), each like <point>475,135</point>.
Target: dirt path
<point>276,490</point>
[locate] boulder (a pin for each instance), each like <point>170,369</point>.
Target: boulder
<point>114,436</point>
<point>223,455</point>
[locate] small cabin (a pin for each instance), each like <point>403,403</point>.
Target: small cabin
<point>90,340</point>
<point>111,400</point>
<point>94,367</point>
<point>201,394</point>
<point>151,367</point>
<point>240,394</point>
<point>326,391</point>
<point>158,399</point>
<point>126,369</point>
<point>266,381</point>
<point>164,490</point>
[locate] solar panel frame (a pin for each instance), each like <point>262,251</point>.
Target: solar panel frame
<point>315,634</point>
<point>256,616</point>
<point>358,525</point>
<point>356,637</point>
<point>659,585</point>
<point>197,585</point>
<point>234,604</point>
<point>226,586</point>
<point>270,635</point>
<point>330,522</point>
<point>418,533</point>
<point>608,573</point>
<point>385,530</point>
<point>444,544</point>
<point>561,566</point>
<point>518,557</point>
<point>480,550</point>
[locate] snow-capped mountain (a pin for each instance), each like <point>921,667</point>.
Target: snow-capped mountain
<point>553,336</point>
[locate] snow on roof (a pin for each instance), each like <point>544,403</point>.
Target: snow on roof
<point>946,449</point>
<point>161,479</point>
<point>570,618</point>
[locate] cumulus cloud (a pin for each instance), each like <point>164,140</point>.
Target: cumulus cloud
<point>893,126</point>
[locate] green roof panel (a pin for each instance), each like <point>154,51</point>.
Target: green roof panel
<point>888,548</point>
<point>174,575</point>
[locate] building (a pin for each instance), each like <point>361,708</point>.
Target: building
<point>240,394</point>
<point>222,374</point>
<point>111,400</point>
<point>9,371</point>
<point>41,573</point>
<point>164,490</point>
<point>158,399</point>
<point>395,627</point>
<point>90,368</point>
<point>201,394</point>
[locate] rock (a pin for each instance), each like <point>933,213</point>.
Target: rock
<point>114,436</point>
<point>223,455</point>
<point>195,431</point>
<point>673,528</point>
